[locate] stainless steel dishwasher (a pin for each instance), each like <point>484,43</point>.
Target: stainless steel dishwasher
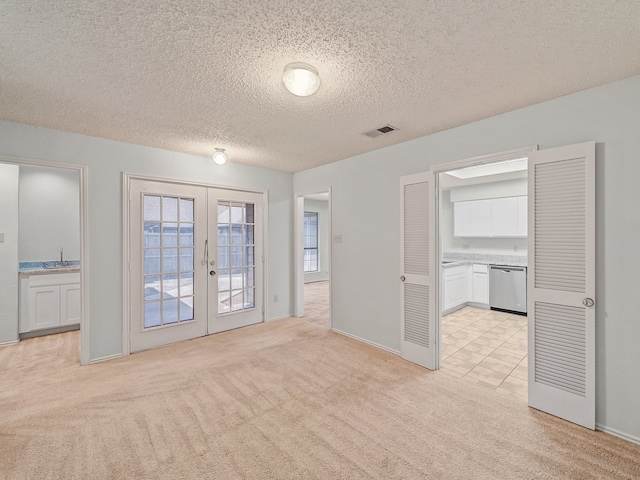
<point>508,288</point>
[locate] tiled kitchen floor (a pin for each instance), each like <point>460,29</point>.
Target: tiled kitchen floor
<point>486,347</point>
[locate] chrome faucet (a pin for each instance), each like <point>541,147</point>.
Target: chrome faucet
<point>61,255</point>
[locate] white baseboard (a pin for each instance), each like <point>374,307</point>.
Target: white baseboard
<point>618,433</point>
<point>373,344</point>
<point>104,359</point>
<point>11,342</point>
<point>280,318</point>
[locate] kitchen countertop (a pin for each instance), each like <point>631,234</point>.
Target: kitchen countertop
<point>453,259</point>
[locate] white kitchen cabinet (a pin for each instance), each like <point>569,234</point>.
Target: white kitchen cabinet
<point>462,219</point>
<point>472,218</point>
<point>454,291</point>
<point>504,222</point>
<point>49,301</point>
<point>480,280</point>
<point>495,217</point>
<point>523,212</point>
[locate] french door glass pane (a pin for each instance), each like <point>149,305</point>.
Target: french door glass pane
<point>152,289</point>
<point>223,302</point>
<point>152,260</point>
<point>223,257</point>
<point>248,296</point>
<point>151,234</point>
<point>168,270</point>
<point>169,234</point>
<point>151,207</point>
<point>236,300</point>
<point>169,209</point>
<point>236,250</point>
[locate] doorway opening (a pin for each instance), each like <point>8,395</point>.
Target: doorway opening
<point>483,243</point>
<point>313,256</point>
<point>44,255</point>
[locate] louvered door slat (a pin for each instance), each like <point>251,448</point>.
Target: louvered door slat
<point>416,229</point>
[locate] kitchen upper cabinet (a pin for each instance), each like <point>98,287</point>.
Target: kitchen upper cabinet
<point>523,219</point>
<point>472,218</point>
<point>505,217</point>
<point>496,217</point>
<point>462,219</point>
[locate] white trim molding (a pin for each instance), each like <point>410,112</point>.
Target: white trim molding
<point>82,170</point>
<point>617,433</point>
<point>359,339</point>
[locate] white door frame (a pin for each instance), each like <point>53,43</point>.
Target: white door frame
<point>126,282</point>
<point>298,251</point>
<point>82,170</point>
<point>443,168</point>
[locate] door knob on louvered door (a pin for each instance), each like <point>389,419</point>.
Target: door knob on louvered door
<point>588,302</point>
<point>402,278</point>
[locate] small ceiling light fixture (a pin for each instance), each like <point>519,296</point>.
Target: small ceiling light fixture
<point>219,157</point>
<point>301,79</point>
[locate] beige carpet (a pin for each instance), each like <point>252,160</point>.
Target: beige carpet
<point>316,303</point>
<point>287,399</point>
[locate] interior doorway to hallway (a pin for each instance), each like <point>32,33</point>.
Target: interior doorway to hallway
<point>312,225</point>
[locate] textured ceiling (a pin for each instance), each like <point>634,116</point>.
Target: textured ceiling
<point>191,75</point>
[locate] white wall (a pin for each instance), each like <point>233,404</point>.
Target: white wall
<point>365,202</point>
<point>491,246</point>
<point>49,214</point>
<point>322,208</point>
<point>9,253</point>
<point>106,160</point>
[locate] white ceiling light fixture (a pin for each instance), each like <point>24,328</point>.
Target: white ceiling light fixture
<point>301,79</point>
<point>219,157</point>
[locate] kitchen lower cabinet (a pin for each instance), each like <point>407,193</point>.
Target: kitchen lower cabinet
<point>454,291</point>
<point>480,282</point>
<point>49,301</point>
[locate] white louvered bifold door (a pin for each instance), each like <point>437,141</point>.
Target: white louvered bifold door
<point>416,258</point>
<point>561,282</point>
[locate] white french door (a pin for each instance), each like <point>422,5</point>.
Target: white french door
<point>561,282</point>
<point>418,301</point>
<point>235,259</point>
<point>168,231</point>
<point>196,261</point>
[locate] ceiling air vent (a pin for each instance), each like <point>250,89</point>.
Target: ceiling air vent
<point>380,131</point>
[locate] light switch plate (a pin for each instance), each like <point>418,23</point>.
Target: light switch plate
<point>1,237</point>
<point>337,238</point>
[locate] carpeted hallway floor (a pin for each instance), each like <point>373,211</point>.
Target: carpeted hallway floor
<point>316,303</point>
<point>286,399</point>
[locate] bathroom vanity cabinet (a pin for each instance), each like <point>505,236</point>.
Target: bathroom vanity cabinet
<point>49,300</point>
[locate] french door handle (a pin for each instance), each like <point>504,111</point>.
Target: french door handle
<point>212,273</point>
<point>205,255</point>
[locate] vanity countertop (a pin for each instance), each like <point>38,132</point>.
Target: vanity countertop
<point>39,268</point>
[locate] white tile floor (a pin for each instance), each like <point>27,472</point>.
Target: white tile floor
<point>486,347</point>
